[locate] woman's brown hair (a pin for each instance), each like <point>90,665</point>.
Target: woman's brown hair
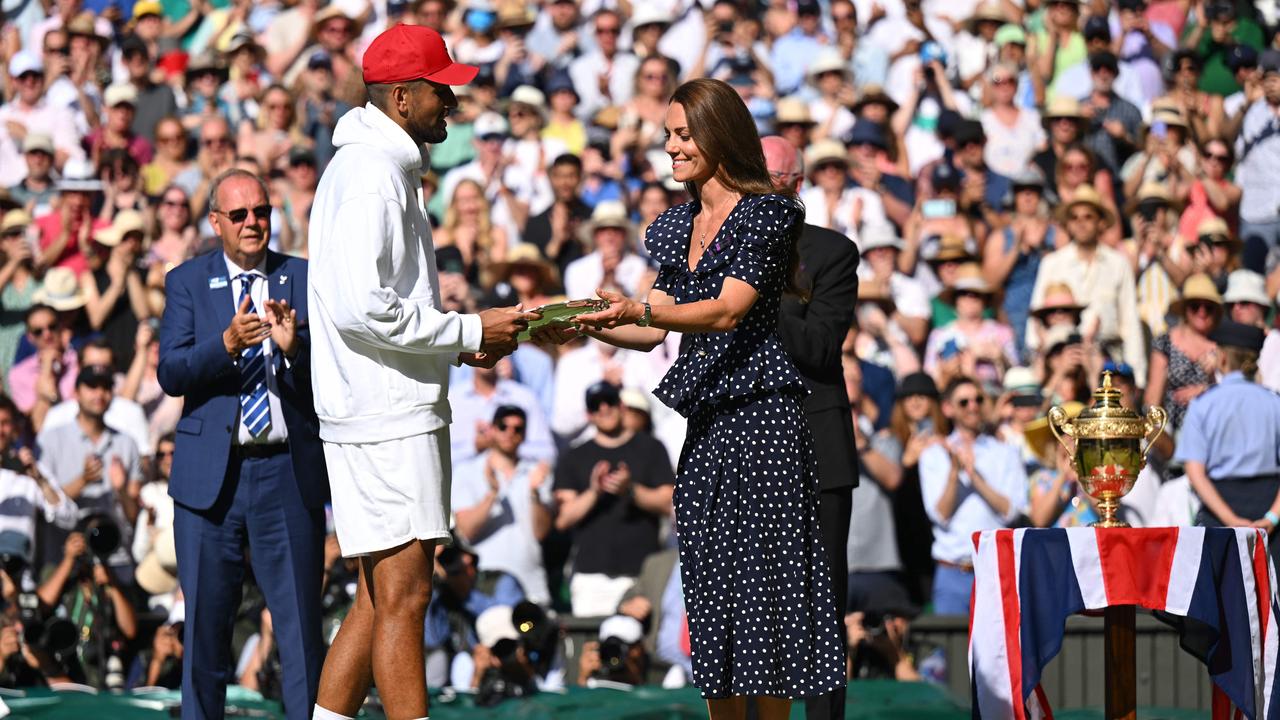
<point>901,427</point>
<point>723,129</point>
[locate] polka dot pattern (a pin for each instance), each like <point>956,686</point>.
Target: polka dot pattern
<point>762,615</point>
<point>753,245</point>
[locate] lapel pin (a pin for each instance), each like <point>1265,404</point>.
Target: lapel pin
<point>283,278</point>
<point>217,283</point>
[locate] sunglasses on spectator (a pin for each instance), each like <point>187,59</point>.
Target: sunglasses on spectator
<point>59,50</point>
<point>14,233</point>
<point>595,405</point>
<point>517,428</point>
<point>1076,166</point>
<point>169,138</point>
<point>30,76</point>
<point>965,402</point>
<point>1222,158</point>
<point>239,215</point>
<point>1201,306</point>
<point>174,203</point>
<point>164,453</point>
<point>610,30</point>
<point>655,76</point>
<point>216,141</point>
<point>39,331</point>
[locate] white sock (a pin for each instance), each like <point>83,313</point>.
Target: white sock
<point>321,714</point>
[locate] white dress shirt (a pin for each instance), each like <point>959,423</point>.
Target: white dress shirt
<point>1000,465</point>
<point>260,293</point>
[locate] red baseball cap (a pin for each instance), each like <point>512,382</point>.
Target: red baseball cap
<point>413,52</point>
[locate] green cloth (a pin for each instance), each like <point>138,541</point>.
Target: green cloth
<point>944,314</point>
<point>867,700</point>
<point>1216,77</point>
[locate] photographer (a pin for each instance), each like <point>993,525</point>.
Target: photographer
<point>19,667</point>
<point>516,653</point>
<point>26,490</point>
<point>164,669</point>
<point>618,657</point>
<point>97,466</point>
<point>84,591</point>
<point>461,593</point>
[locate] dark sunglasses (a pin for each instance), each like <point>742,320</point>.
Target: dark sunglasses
<point>174,203</point>
<point>595,405</point>
<point>60,50</point>
<point>1197,306</point>
<point>164,453</point>
<point>239,215</point>
<point>970,294</point>
<point>217,141</point>
<point>517,428</point>
<point>1216,156</point>
<point>14,233</point>
<point>38,332</point>
<point>966,402</point>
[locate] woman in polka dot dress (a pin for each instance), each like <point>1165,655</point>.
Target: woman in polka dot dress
<point>762,616</point>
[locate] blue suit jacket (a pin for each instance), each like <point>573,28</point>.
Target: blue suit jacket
<point>194,365</point>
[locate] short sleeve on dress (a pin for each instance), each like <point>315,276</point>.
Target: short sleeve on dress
<point>663,240</point>
<point>763,235</point>
<point>1163,345</point>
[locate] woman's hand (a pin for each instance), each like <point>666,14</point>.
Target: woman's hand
<point>622,310</point>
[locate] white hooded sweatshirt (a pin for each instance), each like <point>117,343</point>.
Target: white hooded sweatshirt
<point>381,348</point>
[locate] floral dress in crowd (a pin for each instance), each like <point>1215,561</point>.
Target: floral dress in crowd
<point>761,609</point>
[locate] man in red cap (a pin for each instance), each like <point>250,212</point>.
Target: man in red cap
<point>382,347</point>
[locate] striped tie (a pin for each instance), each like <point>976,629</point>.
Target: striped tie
<point>255,408</point>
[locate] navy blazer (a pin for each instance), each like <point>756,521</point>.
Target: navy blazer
<point>194,365</point>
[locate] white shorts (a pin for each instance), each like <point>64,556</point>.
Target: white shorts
<point>388,493</point>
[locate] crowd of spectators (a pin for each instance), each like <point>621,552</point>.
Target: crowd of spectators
<point>1040,190</point>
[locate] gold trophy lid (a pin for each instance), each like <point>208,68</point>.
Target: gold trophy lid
<point>1107,418</point>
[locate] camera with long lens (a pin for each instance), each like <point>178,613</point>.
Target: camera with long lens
<point>47,635</point>
<point>613,660</point>
<point>538,635</point>
<point>102,535</point>
<point>511,679</point>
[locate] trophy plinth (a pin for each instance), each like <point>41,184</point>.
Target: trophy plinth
<point>1108,452</point>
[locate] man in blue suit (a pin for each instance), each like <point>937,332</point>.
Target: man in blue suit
<point>248,475</point>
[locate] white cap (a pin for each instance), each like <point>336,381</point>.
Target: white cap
<point>650,14</point>
<point>624,627</point>
<point>24,61</point>
<point>1246,286</point>
<point>495,624</point>
<point>828,60</point>
<point>120,93</point>
<point>490,123</point>
<point>635,399</point>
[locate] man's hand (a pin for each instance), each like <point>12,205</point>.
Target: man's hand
<point>92,469</point>
<point>637,607</point>
<point>119,476</point>
<point>618,481</point>
<point>283,321</point>
<point>246,330</point>
<point>74,547</point>
<point>540,473</point>
<point>501,325</point>
<point>598,473</point>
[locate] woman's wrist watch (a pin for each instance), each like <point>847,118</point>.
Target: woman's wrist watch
<point>1272,518</point>
<point>647,317</point>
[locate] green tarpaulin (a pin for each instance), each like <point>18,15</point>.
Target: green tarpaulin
<point>868,700</point>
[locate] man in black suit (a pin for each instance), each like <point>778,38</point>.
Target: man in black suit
<point>812,332</point>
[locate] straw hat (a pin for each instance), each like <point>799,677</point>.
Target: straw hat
<point>1196,287</point>
<point>527,255</point>
<point>876,292</point>
<point>1170,117</point>
<point>1150,192</point>
<point>1039,435</point>
<point>15,219</point>
<point>874,93</point>
<point>986,12</point>
<point>608,214</point>
<point>968,279</point>
<point>158,571</point>
<point>61,290</point>
<point>792,111</point>
<point>333,11</point>
<point>85,25</point>
<point>1086,195</point>
<point>1057,298</point>
<point>950,248</point>
<point>515,15</point>
<point>1063,107</point>
<point>825,151</point>
<point>125,222</point>
<point>1216,229</point>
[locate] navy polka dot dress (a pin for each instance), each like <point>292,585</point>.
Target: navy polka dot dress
<point>762,615</point>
